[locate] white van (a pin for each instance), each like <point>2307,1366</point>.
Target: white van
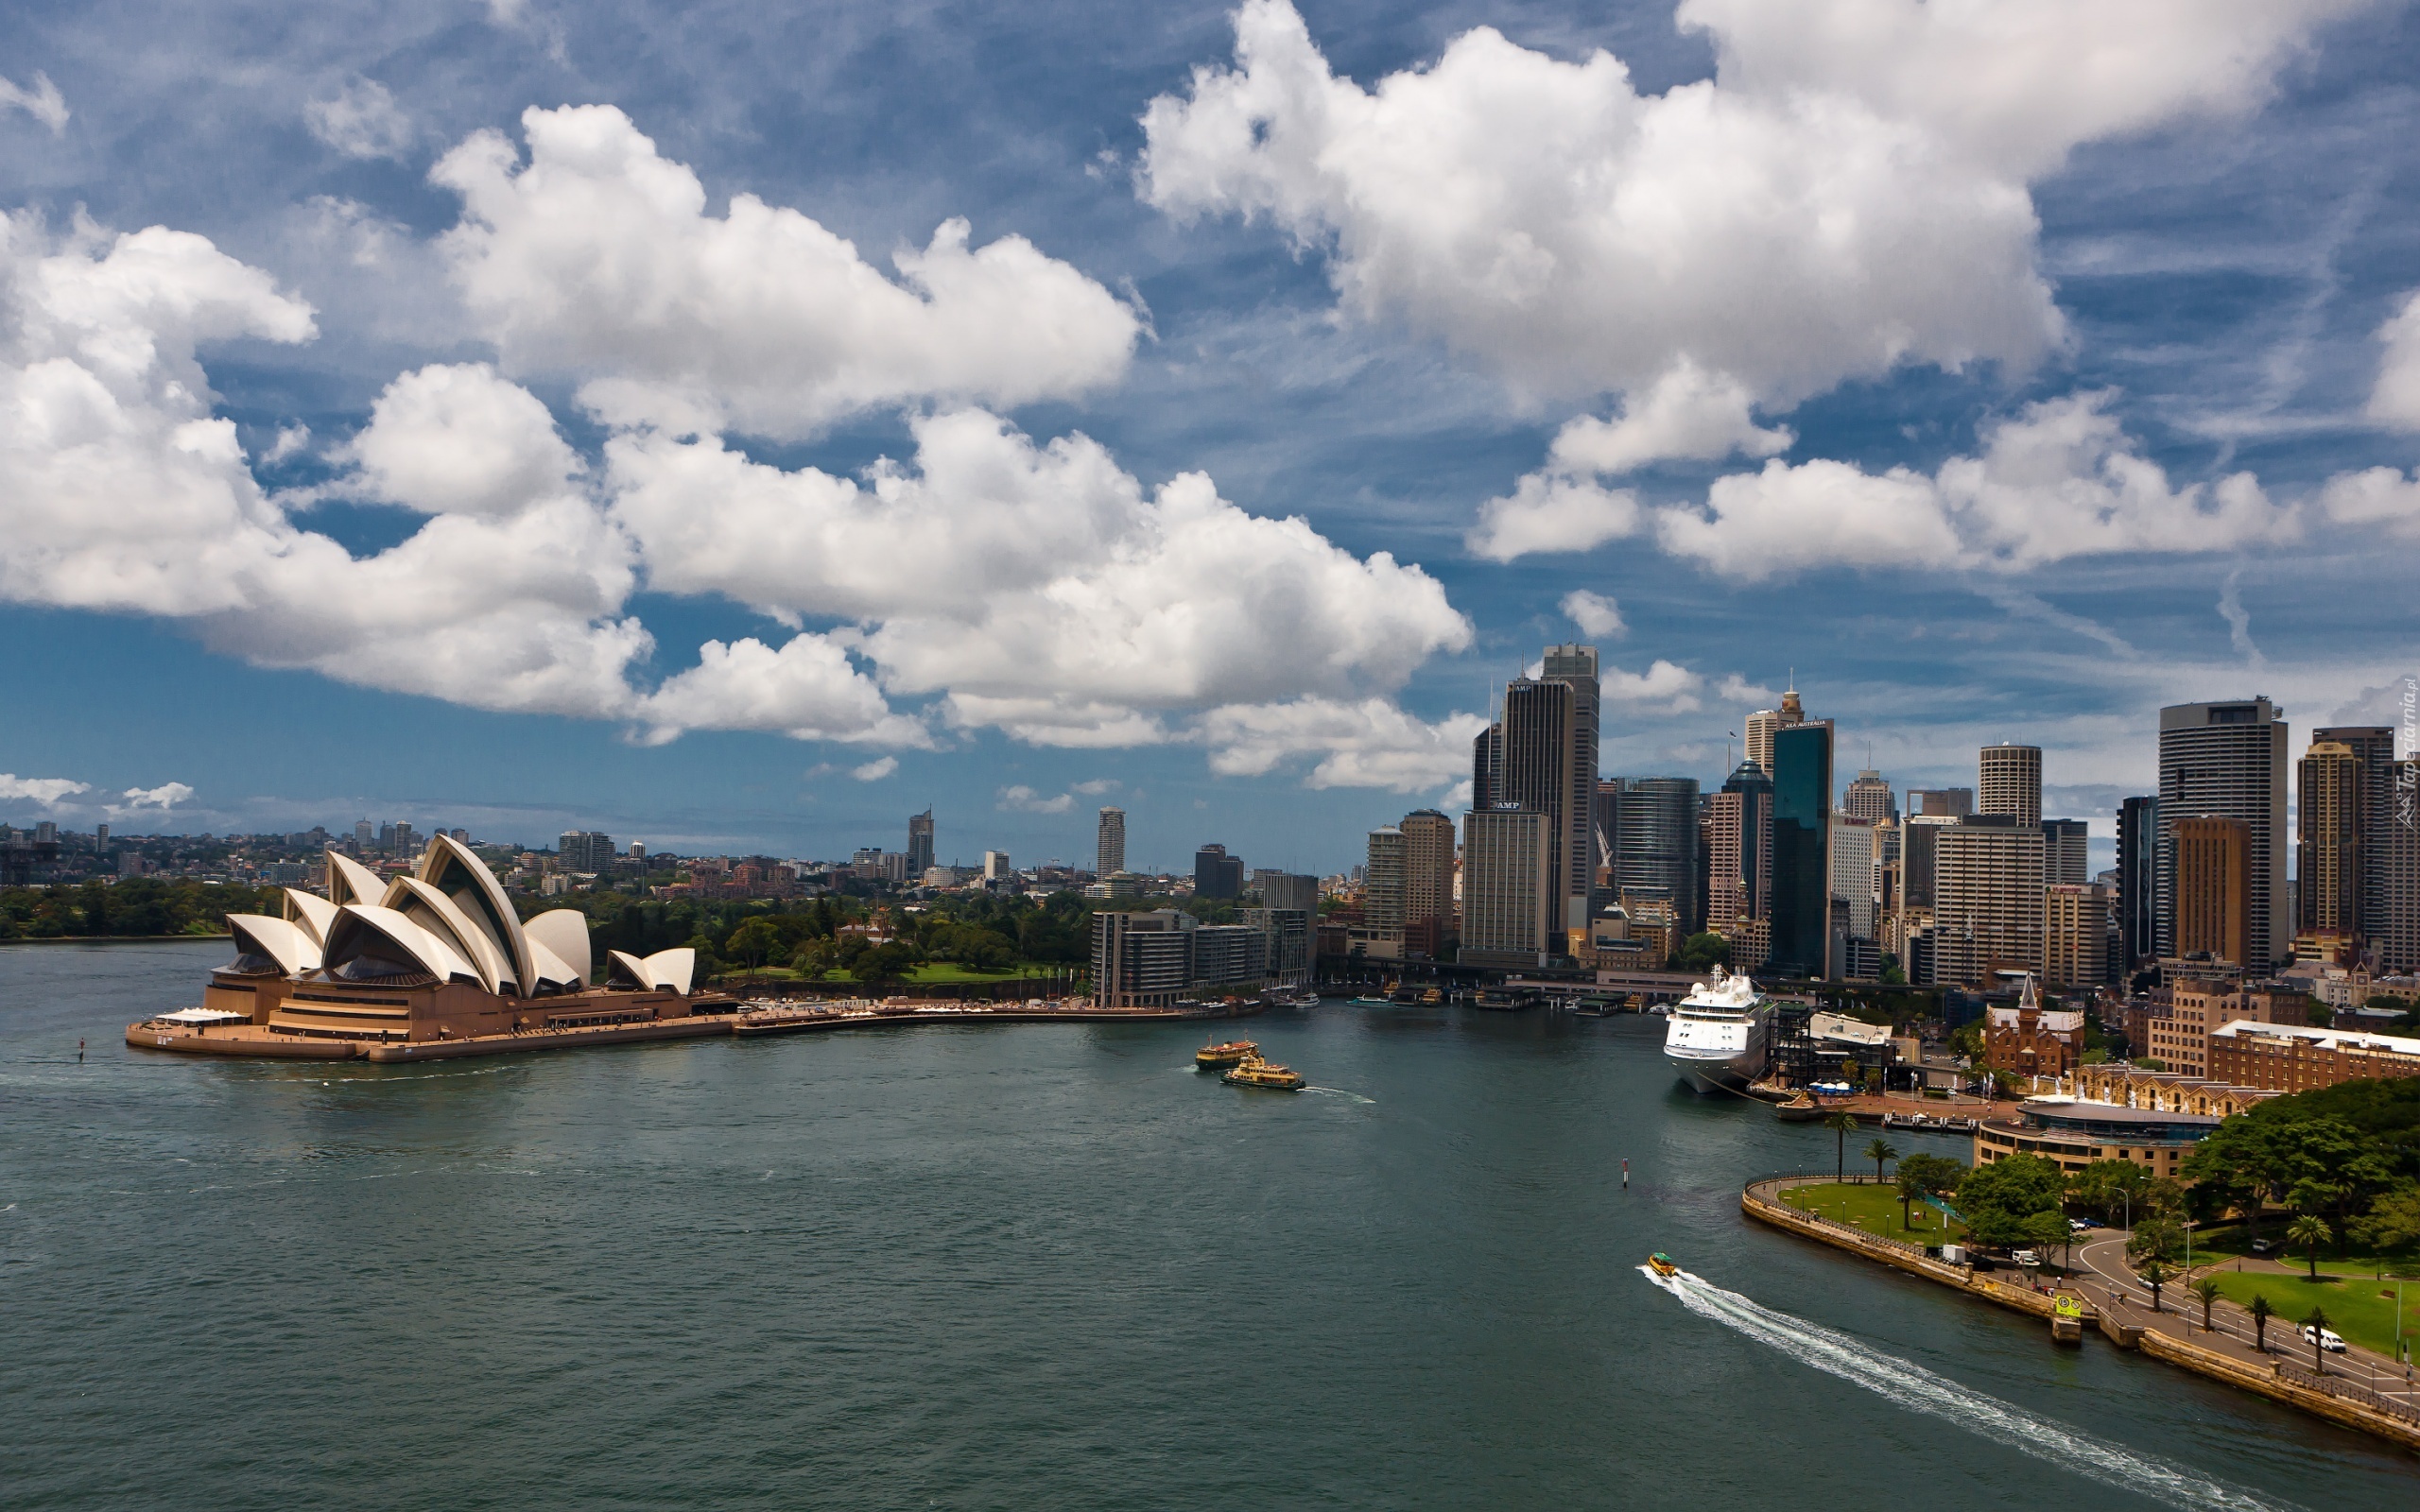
<point>2027,1258</point>
<point>2327,1339</point>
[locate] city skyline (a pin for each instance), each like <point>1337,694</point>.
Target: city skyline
<point>1736,494</point>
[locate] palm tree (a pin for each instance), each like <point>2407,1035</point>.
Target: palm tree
<point>2154,1272</point>
<point>2208,1291</point>
<point>1879,1151</point>
<point>1911,1187</point>
<point>2261,1312</point>
<point>2310,1230</point>
<point>1842,1124</point>
<point>2316,1320</point>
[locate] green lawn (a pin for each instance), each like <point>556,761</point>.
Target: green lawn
<point>2229,1239</point>
<point>2355,1307</point>
<point>1875,1210</point>
<point>938,972</point>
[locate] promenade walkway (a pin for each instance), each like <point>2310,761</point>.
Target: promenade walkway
<point>2358,1374</point>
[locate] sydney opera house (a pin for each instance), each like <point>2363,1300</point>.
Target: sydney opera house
<point>431,964</point>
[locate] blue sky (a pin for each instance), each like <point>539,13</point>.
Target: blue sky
<point>2005,377</point>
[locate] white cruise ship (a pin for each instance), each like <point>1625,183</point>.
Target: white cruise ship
<point>1718,1035</point>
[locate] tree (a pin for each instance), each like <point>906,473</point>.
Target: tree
<point>2048,1228</point>
<point>2261,1311</point>
<point>2310,1231</point>
<point>2316,1320</point>
<point>2208,1289</point>
<point>1842,1125</point>
<point>2001,1201</point>
<point>2154,1238</point>
<point>2393,1226</point>
<point>1939,1174</point>
<point>1910,1189</point>
<point>752,941</point>
<point>1879,1151</point>
<point>1703,952</point>
<point>2114,1188</point>
<point>2154,1272</point>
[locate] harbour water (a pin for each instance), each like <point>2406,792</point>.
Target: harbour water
<point>1004,1267</point>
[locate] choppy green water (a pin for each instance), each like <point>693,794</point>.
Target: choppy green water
<point>1029,1266</point>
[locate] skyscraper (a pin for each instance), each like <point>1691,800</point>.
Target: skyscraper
<point>2373,749</point>
<point>1655,843</point>
<point>1764,722</point>
<point>1217,874</point>
<point>920,843</point>
<point>1940,802</point>
<point>363,835</point>
<point>1988,897</point>
<point>1544,747</point>
<point>1427,882</point>
<point>2065,853</point>
<point>2212,888</point>
<point>2075,935</point>
<point>2010,782</point>
<point>1509,888</point>
<point>1852,872</point>
<point>1382,880</point>
<point>2327,860</point>
<point>1109,851</point>
<point>2398,930</point>
<point>2229,760</point>
<point>1869,799</point>
<point>1487,765</point>
<point>1287,891</point>
<point>1802,891</point>
<point>1739,871</point>
<point>2137,876</point>
<point>1575,666</point>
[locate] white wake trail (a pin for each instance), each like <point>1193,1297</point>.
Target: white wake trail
<point>1913,1386</point>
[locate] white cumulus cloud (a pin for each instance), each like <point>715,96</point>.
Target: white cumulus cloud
<point>1022,800</point>
<point>2396,400</point>
<point>1372,743</point>
<point>1663,682</point>
<point>807,689</point>
<point>1546,514</point>
<point>876,770</point>
<point>599,256</point>
<point>1688,415</point>
<point>2378,496</point>
<point>361,121</point>
<point>47,791</point>
<point>164,797</point>
<point>2060,480</point>
<point>1596,615</point>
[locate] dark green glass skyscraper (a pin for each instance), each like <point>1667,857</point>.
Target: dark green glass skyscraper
<point>1801,856</point>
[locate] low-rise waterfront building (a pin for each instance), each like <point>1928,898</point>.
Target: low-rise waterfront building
<point>2293,1058</point>
<point>2025,1038</point>
<point>2074,1133</point>
<point>1158,958</point>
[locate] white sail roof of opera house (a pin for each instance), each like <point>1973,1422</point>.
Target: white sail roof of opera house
<point>450,922</point>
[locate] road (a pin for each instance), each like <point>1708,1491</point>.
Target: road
<point>2105,1256</point>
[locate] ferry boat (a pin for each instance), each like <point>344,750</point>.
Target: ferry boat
<point>1718,1035</point>
<point>1233,1052</point>
<point>1255,1071</point>
<point>1662,1264</point>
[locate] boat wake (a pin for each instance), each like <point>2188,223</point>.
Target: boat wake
<point>1920,1390</point>
<point>1339,1092</point>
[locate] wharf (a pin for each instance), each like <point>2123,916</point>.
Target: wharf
<point>2121,1317</point>
<point>803,1018</point>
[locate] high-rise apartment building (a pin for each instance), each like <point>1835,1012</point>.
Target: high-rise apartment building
<point>2010,783</point>
<point>1217,874</point>
<point>2066,850</point>
<point>2398,932</point>
<point>1940,802</point>
<point>2229,760</point>
<point>405,840</point>
<point>1802,893</point>
<point>2137,877</point>
<point>364,835</point>
<point>1382,879</point>
<point>1428,926</point>
<point>2074,934</point>
<point>2327,859</point>
<point>2211,889</point>
<point>1739,841</point>
<point>995,866</point>
<point>1869,799</point>
<point>1988,897</point>
<point>1655,843</point>
<point>2373,749</point>
<point>1764,722</point>
<point>1510,888</point>
<point>1920,858</point>
<point>920,843</point>
<point>1575,666</point>
<point>1109,850</point>
<point>1287,891</point>
<point>1852,871</point>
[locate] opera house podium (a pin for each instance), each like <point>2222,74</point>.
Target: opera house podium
<point>428,966</point>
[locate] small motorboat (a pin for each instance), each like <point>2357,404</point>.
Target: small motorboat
<point>1662,1264</point>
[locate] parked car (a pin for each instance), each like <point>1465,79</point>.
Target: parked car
<point>2026,1257</point>
<point>2261,1246</point>
<point>2327,1340</point>
<point>2086,1223</point>
<point>2077,1225</point>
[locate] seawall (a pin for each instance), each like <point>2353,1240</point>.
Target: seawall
<point>1760,1200</point>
